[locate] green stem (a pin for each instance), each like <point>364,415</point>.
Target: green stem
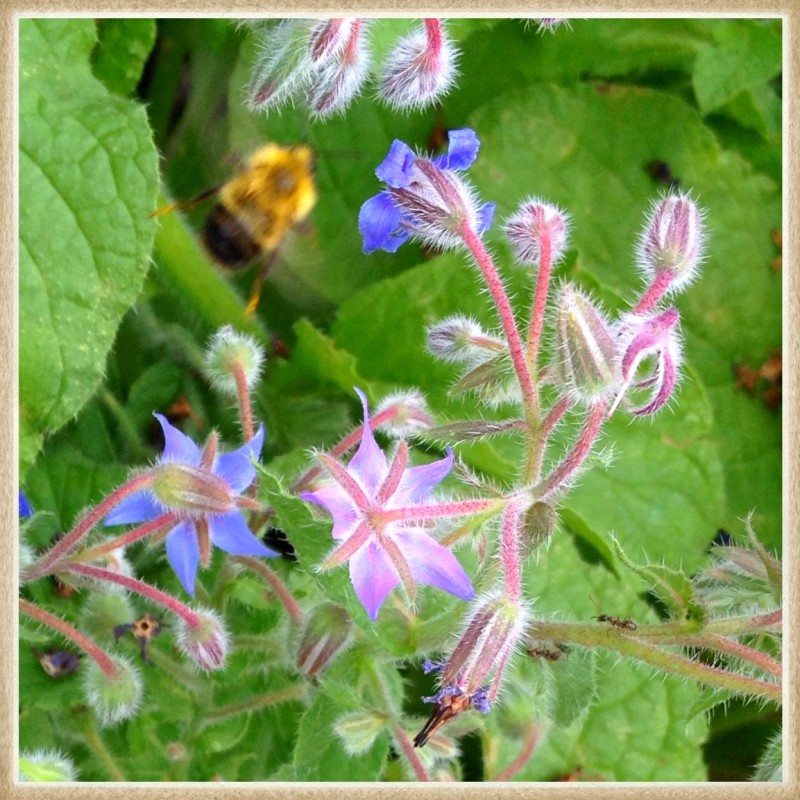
<point>98,747</point>
<point>276,584</point>
<point>407,749</point>
<point>70,632</point>
<point>631,644</point>
<point>296,692</point>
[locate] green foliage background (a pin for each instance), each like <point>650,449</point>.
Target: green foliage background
<point>115,309</point>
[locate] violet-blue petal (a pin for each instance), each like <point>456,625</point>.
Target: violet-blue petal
<point>485,216</point>
<point>338,504</point>
<point>368,464</point>
<point>379,224</point>
<point>373,577</point>
<point>462,149</point>
<point>230,533</point>
<point>183,554</point>
<point>433,564</point>
<point>137,507</point>
<point>480,701</point>
<point>178,447</point>
<point>25,508</point>
<point>236,468</point>
<point>417,482</point>
<point>395,169</point>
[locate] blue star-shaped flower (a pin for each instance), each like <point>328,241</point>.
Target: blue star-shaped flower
<point>202,491</point>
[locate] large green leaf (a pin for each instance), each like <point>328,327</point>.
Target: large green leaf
<point>88,178</point>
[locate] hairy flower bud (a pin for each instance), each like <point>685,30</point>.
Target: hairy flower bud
<point>420,68</point>
<point>671,243</point>
<point>329,37</point>
<point>205,643</point>
<point>459,339</point>
<point>586,351</point>
<point>326,635</point>
<point>227,354</point>
<point>45,766</point>
<point>283,64</point>
<point>537,227</point>
<point>411,413</point>
<point>357,731</point>
<point>114,697</point>
<point>540,522</point>
<point>335,81</point>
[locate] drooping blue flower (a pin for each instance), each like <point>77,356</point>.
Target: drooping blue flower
<point>203,493</point>
<point>424,198</point>
<point>382,554</point>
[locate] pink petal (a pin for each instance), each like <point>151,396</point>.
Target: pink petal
<point>373,577</point>
<point>417,483</point>
<point>433,564</point>
<point>337,503</point>
<point>369,462</point>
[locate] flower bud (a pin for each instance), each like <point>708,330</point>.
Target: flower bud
<point>587,360</point>
<point>420,68</point>
<point>229,352</point>
<point>460,339</point>
<point>193,490</point>
<point>205,643</point>
<point>326,635</point>
<point>535,226</point>
<point>672,240</point>
<point>283,64</point>
<point>357,731</point>
<point>549,24</point>
<point>114,697</point>
<point>411,413</point>
<point>328,38</point>
<point>176,751</point>
<point>540,522</point>
<point>336,81</point>
<point>45,766</point>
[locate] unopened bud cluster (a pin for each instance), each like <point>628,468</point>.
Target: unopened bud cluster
<point>326,63</point>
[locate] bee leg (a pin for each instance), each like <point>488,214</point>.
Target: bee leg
<point>258,284</point>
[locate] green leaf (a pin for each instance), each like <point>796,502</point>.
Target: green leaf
<point>572,685</point>
<point>673,588</point>
<point>88,176</point>
<point>745,53</point>
<point>122,49</point>
<point>319,752</point>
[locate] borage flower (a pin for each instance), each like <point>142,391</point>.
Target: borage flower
<point>383,552</point>
<point>425,198</point>
<point>201,493</point>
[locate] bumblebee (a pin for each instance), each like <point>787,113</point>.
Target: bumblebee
<point>274,192</point>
